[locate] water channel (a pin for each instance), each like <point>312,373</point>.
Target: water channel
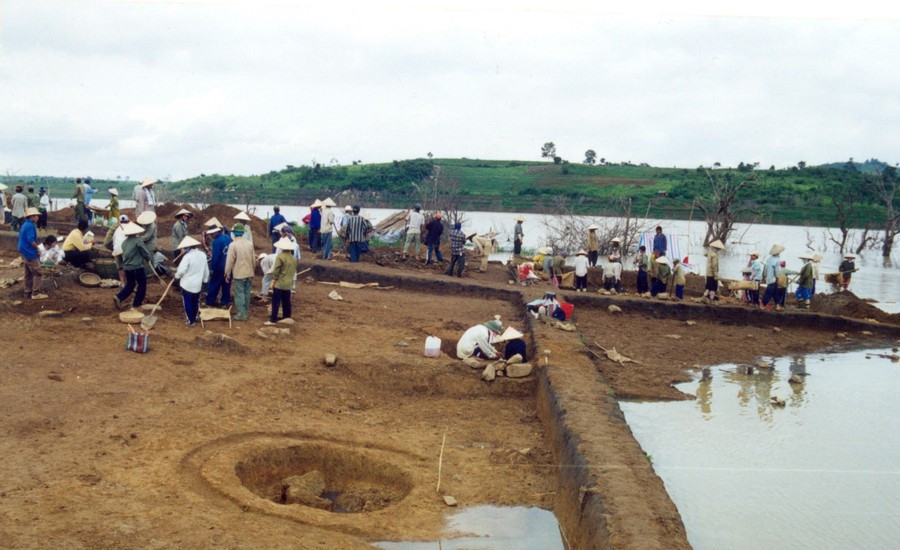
<point>821,471</point>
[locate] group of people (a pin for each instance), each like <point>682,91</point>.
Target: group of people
<point>15,205</point>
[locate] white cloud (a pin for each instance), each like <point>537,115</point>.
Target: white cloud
<point>180,88</point>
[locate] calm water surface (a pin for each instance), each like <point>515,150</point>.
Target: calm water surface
<point>821,472</point>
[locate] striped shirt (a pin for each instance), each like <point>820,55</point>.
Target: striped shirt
<point>357,227</point>
<point>457,242</point>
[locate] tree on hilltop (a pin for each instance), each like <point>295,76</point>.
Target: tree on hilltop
<point>590,156</point>
<point>548,150</point>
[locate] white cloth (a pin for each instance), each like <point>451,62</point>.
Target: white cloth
<point>54,254</point>
<point>248,234</point>
<point>119,237</point>
<point>193,271</point>
<point>581,266</point>
<point>45,202</point>
<point>613,269</point>
<point>479,336</point>
<point>266,264</point>
<point>414,222</point>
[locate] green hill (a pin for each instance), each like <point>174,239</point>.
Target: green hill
<point>797,195</point>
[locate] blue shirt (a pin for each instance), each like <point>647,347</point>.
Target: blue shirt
<point>219,252</point>
<point>88,193</point>
<point>659,244</point>
<point>28,235</point>
<point>772,268</point>
<point>276,220</point>
<point>315,219</point>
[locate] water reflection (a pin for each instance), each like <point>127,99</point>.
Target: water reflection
<point>822,471</point>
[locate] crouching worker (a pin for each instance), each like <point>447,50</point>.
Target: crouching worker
<point>515,345</point>
<point>612,275</point>
<point>662,276</point>
<point>192,272</point>
<point>476,341</point>
<point>679,279</point>
<point>283,273</point>
<point>134,257</point>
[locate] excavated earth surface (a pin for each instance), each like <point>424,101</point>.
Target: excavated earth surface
<point>190,445</point>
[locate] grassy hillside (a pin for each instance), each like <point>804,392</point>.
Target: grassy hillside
<point>797,195</point>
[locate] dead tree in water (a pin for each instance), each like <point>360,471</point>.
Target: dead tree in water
<point>885,187</point>
<point>565,230</point>
<point>720,209</point>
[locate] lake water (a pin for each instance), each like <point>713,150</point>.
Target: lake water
<point>821,472</point>
<point>494,528</point>
<point>876,278</point>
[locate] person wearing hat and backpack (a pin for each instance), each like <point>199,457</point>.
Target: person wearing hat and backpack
<point>805,282</point>
<point>30,250</point>
<point>192,272</point>
<point>284,273</point>
<point>134,259</point>
<point>239,266</point>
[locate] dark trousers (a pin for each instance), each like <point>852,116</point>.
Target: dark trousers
<point>516,346</point>
<point>42,221</point>
<point>581,282</point>
<point>517,248</point>
<point>353,251</point>
<point>134,278</point>
<point>280,298</point>
<point>460,261</point>
<point>679,292</point>
<point>659,287</point>
<point>642,286</point>
<point>781,296</point>
<point>314,240</point>
<point>191,301</point>
<point>753,297</point>
<point>436,249</point>
<point>217,283</point>
<point>78,257</point>
<point>771,293</point>
<point>593,256</point>
<point>610,283</point>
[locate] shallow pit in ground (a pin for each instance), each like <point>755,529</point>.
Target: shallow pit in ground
<point>327,478</point>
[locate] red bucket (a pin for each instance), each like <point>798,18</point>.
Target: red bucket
<point>567,308</point>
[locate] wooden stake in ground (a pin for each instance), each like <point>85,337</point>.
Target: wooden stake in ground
<point>441,462</point>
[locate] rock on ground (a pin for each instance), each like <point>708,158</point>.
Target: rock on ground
<point>305,489</point>
<point>489,373</point>
<point>330,360</point>
<point>614,309</point>
<point>518,370</point>
<point>220,342</point>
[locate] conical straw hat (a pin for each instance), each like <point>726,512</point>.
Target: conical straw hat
<point>285,244</point>
<point>212,222</point>
<point>132,229</point>
<point>147,217</point>
<point>188,241</point>
<point>242,216</point>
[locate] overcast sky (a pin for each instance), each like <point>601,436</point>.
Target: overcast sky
<point>168,88</point>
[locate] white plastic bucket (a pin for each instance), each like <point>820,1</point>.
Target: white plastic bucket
<point>432,346</point>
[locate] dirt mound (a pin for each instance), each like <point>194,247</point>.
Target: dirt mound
<point>847,304</point>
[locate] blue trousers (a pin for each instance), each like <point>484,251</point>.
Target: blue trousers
<point>679,292</point>
<point>642,286</point>
<point>353,251</point>
<point>771,293</point>
<point>326,245</point>
<point>217,283</point>
<point>314,240</point>
<point>436,249</point>
<point>191,301</point>
<point>659,287</point>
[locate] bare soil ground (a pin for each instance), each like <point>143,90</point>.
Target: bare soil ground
<point>186,445</point>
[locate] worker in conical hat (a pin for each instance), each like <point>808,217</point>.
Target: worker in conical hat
<point>582,264</point>
<point>514,344</point>
<point>805,281</point>
<point>661,282</point>
<point>326,232</point>
<point>712,271</point>
<point>180,228</point>
<point>239,267</point>
<point>476,341</point>
<point>217,282</point>
<point>518,236</point>
<point>193,272</point>
<point>770,274</point>
<point>135,257</point>
<point>284,273</point>
<point>846,270</point>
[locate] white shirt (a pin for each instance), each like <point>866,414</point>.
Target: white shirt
<point>414,222</point>
<point>45,201</point>
<point>193,271</point>
<point>613,269</point>
<point>267,263</point>
<point>327,221</point>
<point>581,265</point>
<point>119,237</point>
<point>480,336</point>
<point>54,254</point>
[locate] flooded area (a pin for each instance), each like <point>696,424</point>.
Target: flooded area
<point>821,470</point>
<point>495,528</point>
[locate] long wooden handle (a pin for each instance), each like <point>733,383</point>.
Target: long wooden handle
<point>163,297</point>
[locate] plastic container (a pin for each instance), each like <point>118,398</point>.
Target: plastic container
<point>432,346</point>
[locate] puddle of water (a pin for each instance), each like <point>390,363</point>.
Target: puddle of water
<point>494,528</point>
<point>822,471</point>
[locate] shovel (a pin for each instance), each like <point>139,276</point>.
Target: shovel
<point>149,320</point>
